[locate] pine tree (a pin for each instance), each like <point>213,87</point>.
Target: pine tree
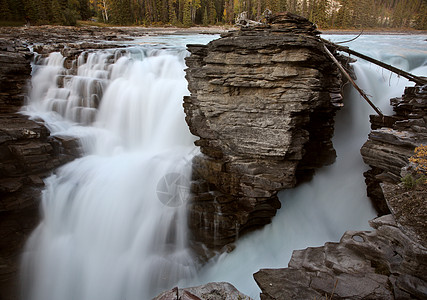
<point>85,12</point>
<point>205,17</point>
<point>211,12</point>
<point>420,21</point>
<point>186,18</point>
<point>172,14</point>
<point>5,13</point>
<point>56,12</point>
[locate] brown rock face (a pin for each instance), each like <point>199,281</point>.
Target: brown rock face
<point>393,140</point>
<point>15,71</point>
<point>262,103</point>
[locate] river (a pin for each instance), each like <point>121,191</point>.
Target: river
<point>106,232</point>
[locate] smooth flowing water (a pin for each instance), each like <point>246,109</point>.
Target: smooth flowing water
<point>113,226</point>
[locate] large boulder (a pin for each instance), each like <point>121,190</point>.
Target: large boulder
<point>262,103</point>
<point>211,291</point>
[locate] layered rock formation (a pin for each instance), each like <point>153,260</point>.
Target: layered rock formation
<point>15,71</point>
<point>262,103</point>
<point>393,140</point>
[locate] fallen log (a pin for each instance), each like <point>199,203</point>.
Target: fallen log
<point>361,92</point>
<point>417,79</point>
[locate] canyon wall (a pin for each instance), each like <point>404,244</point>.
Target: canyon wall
<point>393,140</point>
<point>262,103</point>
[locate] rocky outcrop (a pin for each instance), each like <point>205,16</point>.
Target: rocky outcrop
<point>389,262</point>
<point>15,71</point>
<point>262,104</point>
<point>211,291</point>
<point>393,140</point>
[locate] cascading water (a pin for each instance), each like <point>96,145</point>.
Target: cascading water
<point>113,226</point>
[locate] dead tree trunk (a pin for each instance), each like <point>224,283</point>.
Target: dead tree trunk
<point>409,76</point>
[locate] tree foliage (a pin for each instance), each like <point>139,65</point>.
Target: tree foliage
<point>64,12</point>
<point>325,13</point>
<point>420,159</point>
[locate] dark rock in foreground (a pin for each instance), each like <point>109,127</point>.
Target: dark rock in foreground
<point>211,291</point>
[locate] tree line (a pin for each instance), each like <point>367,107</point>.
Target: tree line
<point>325,13</point>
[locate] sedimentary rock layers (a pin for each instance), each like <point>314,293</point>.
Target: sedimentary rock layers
<point>393,140</point>
<point>262,103</point>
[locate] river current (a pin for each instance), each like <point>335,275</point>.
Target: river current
<point>111,227</point>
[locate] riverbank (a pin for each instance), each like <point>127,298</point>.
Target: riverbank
<point>117,33</point>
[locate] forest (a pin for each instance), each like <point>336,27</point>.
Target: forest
<point>327,14</point>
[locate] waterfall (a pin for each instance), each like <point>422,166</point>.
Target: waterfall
<point>114,221</point>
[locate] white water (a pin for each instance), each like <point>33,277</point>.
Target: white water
<point>105,234</point>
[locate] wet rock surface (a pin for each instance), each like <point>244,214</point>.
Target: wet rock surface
<point>262,104</point>
<point>15,71</point>
<point>211,291</point>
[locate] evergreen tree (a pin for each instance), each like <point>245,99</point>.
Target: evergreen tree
<point>5,13</point>
<point>56,12</point>
<point>172,12</point>
<point>84,11</point>
<point>420,21</point>
<point>205,17</point>
<point>121,12</point>
<point>186,18</point>
<point>211,12</point>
